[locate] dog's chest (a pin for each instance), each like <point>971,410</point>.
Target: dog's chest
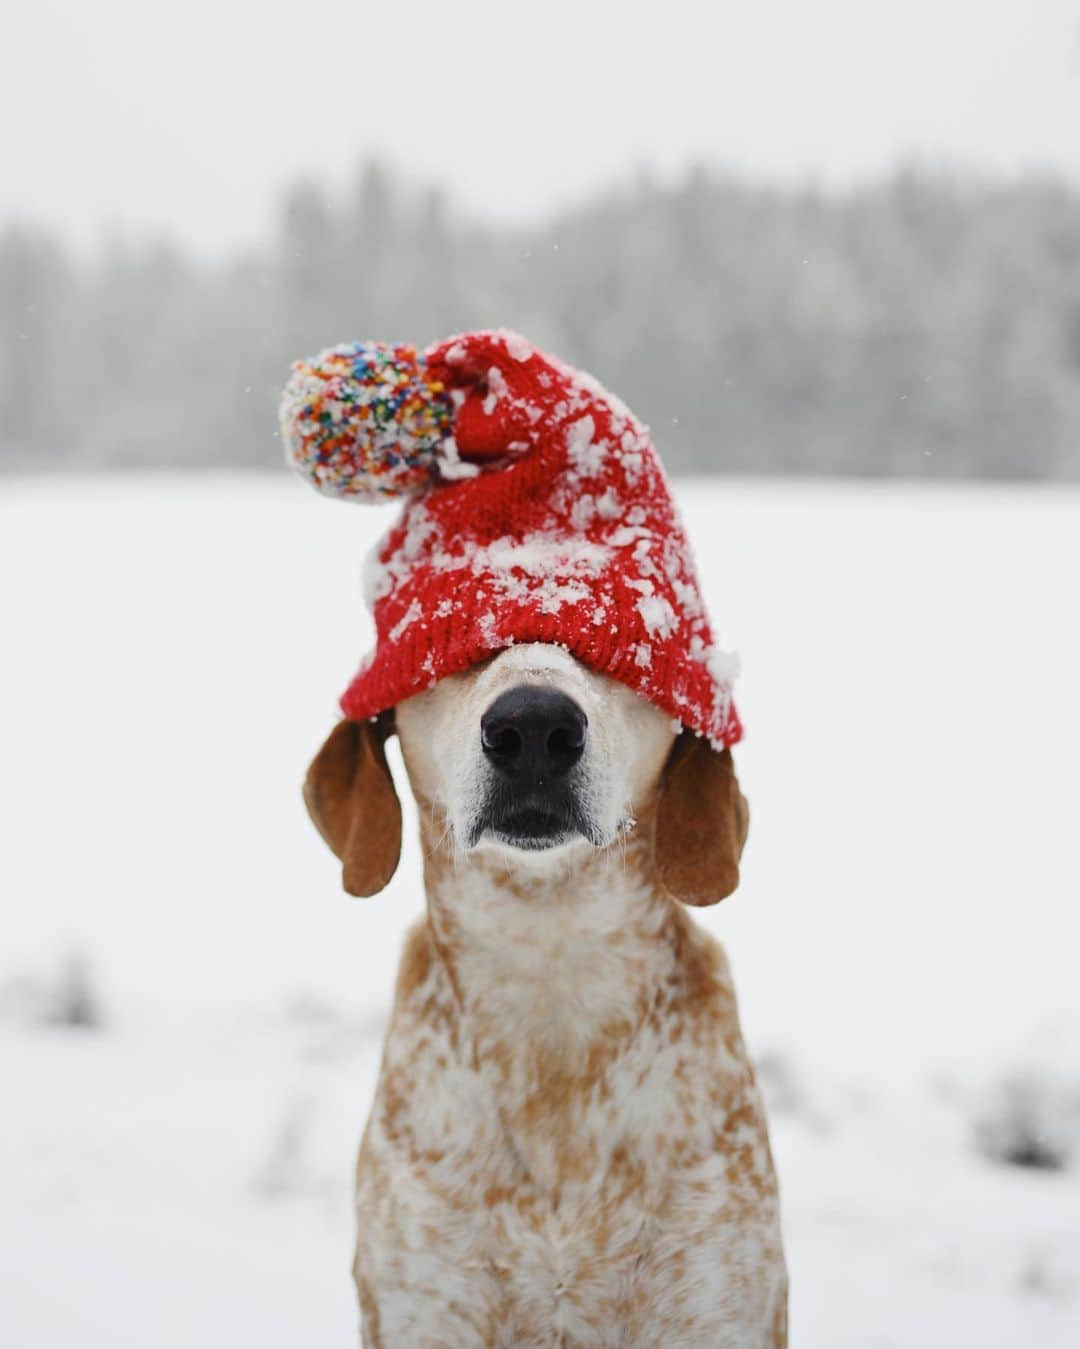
<point>599,1203</point>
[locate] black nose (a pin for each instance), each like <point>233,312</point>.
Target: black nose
<point>533,733</point>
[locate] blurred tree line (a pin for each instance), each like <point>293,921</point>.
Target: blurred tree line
<point>925,325</point>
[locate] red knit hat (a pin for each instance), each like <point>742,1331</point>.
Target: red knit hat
<point>537,511</point>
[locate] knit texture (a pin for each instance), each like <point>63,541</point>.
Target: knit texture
<point>548,518</point>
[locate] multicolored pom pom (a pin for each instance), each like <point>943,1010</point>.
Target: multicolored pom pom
<point>366,421</point>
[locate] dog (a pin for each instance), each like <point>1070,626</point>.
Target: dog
<point>567,1145</point>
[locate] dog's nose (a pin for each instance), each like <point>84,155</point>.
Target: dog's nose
<point>533,733</point>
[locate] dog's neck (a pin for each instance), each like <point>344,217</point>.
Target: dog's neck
<point>555,975</point>
<point>548,959</point>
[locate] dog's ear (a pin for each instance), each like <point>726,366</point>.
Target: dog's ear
<point>701,823</point>
<point>350,797</point>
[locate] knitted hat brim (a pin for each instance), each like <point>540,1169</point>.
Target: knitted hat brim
<point>436,637</point>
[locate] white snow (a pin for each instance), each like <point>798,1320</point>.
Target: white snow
<point>546,568</point>
<point>657,615</point>
<point>451,464</point>
<point>904,938</point>
<point>488,628</point>
<point>538,555</point>
<point>517,346</point>
<point>586,455</point>
<point>496,382</point>
<point>609,507</point>
<point>407,619</point>
<point>627,534</point>
<point>724,666</point>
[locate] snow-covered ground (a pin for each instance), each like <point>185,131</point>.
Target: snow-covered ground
<point>905,939</point>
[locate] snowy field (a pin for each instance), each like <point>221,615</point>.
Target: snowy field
<point>905,939</point>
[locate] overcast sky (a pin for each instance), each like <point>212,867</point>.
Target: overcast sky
<point>188,118</point>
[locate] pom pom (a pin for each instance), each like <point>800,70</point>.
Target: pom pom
<point>366,420</point>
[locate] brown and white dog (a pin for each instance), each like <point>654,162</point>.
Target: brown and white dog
<point>567,1146</point>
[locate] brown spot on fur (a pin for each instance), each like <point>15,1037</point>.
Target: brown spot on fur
<point>416,960</point>
<point>369,1310</point>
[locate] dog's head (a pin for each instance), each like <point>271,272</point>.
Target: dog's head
<point>535,756</point>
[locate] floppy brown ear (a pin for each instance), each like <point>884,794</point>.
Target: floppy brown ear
<point>350,797</point>
<point>701,823</point>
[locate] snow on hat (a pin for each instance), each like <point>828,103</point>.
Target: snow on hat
<point>536,510</point>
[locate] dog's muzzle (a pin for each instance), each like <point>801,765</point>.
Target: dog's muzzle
<point>533,739</point>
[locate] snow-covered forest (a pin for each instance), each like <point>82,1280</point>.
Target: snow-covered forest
<point>925,326</point>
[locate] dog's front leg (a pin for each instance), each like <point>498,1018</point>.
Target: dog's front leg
<point>420,1273</point>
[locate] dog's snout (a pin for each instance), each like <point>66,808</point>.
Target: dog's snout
<point>533,733</point>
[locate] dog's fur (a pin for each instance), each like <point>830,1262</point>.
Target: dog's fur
<point>567,1147</point>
